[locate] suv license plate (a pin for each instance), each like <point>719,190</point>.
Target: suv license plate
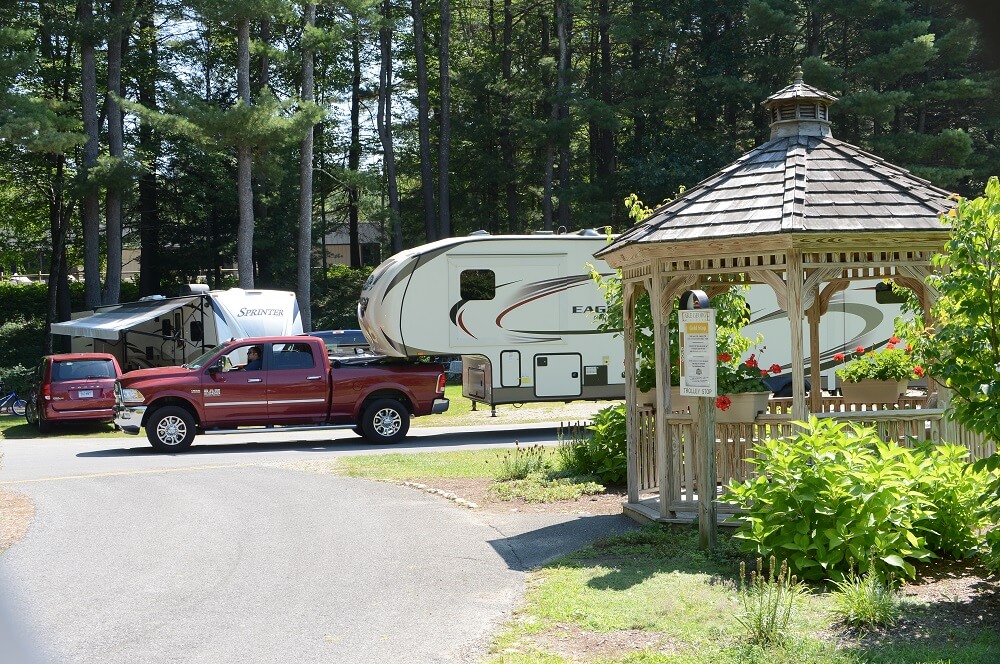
<point>85,394</point>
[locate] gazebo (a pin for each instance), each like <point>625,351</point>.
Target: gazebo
<point>805,214</point>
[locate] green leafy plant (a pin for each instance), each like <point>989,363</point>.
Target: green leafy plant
<point>890,363</point>
<point>539,488</point>
<point>519,463</point>
<point>600,451</point>
<point>831,493</point>
<point>768,598</point>
<point>963,347</point>
<point>865,601</point>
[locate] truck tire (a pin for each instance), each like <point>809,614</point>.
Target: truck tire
<point>385,421</point>
<point>170,429</point>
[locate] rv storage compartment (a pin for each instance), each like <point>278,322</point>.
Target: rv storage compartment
<point>558,375</point>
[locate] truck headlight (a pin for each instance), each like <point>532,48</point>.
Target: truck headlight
<point>130,395</point>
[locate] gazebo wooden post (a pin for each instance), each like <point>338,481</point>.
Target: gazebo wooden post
<point>815,375</point>
<point>660,307</point>
<point>793,283</point>
<point>631,419</point>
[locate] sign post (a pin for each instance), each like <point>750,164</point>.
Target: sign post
<point>699,378</point>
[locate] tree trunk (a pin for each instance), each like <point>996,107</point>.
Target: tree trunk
<point>116,149</point>
<point>564,27</point>
<point>91,197</point>
<point>149,148</point>
<point>244,168</point>
<point>60,215</point>
<point>303,256</point>
<point>444,146</point>
<point>384,123</point>
<point>423,117</point>
<point>506,132</point>
<point>354,152</point>
<point>550,147</point>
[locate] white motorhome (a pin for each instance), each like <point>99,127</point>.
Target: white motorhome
<point>162,331</point>
<point>519,309</point>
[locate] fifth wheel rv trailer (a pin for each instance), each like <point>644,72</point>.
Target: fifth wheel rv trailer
<point>161,331</point>
<point>519,309</point>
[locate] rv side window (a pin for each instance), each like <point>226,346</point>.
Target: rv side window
<point>477,284</point>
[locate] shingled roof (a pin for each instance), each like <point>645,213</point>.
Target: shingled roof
<point>801,181</point>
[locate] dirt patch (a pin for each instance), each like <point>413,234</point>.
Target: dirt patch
<point>476,490</point>
<point>16,512</point>
<point>578,645</point>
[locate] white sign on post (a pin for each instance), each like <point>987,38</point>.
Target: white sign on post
<point>698,352</point>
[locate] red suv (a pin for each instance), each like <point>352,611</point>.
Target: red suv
<point>73,387</point>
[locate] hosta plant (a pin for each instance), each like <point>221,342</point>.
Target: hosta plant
<point>830,494</point>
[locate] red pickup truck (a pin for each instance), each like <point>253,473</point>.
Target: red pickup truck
<point>276,381</point>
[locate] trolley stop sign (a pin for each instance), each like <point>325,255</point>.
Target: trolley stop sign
<point>698,352</point>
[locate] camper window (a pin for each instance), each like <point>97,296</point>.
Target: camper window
<point>477,284</point>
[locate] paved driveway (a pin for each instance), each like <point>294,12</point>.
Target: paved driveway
<point>209,562</point>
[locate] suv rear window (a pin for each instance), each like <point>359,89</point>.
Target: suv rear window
<point>82,370</point>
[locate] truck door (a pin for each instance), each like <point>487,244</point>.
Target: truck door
<point>558,375</point>
<point>296,384</point>
<point>233,395</point>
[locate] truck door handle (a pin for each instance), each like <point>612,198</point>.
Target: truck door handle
<point>313,377</point>
<point>254,380</point>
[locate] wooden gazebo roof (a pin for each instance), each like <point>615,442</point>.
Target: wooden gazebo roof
<point>801,181</point>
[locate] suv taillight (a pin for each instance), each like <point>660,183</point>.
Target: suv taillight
<point>440,387</point>
<point>47,392</point>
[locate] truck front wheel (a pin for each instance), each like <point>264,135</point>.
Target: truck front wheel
<point>385,421</point>
<point>170,429</point>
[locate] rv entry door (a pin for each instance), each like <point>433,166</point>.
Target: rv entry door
<point>558,375</point>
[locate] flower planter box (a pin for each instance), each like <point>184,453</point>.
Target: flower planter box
<point>744,408</point>
<point>677,402</point>
<point>873,391</point>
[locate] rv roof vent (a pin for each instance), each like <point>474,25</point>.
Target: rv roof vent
<point>542,233</point>
<point>589,232</point>
<point>191,289</point>
<point>480,232</point>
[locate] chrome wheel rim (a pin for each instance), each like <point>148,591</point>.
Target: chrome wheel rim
<point>387,422</point>
<point>171,430</point>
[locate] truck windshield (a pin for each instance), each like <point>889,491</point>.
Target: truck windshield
<point>199,362</point>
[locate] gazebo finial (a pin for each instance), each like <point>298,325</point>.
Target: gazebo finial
<point>797,75</point>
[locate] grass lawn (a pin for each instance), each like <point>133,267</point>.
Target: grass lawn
<point>653,597</point>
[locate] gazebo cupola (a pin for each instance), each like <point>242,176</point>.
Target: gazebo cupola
<point>799,110</point>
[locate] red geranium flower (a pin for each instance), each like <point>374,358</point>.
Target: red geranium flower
<point>890,346</point>
<point>859,349</point>
<point>775,369</point>
<point>909,348</point>
<point>919,370</point>
<point>764,374</point>
<point>752,361</point>
<point>894,340</point>
<point>839,357</point>
<point>723,402</point>
<point>725,357</point>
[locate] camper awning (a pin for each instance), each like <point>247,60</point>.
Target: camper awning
<point>108,323</point>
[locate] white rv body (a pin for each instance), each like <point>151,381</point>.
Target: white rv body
<point>519,309</point>
<point>160,331</point>
<point>854,318</point>
<point>536,339</point>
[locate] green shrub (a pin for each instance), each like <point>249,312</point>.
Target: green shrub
<point>768,600</point>
<point>537,488</point>
<point>865,601</point>
<point>602,453</point>
<point>955,492</point>
<point>832,493</point>
<point>519,463</point>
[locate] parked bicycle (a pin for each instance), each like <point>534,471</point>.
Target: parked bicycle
<point>11,403</point>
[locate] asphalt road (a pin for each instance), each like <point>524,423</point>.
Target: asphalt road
<point>225,554</point>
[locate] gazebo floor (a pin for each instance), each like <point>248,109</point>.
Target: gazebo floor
<point>647,510</point>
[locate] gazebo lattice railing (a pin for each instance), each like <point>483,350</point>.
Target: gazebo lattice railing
<point>677,499</point>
